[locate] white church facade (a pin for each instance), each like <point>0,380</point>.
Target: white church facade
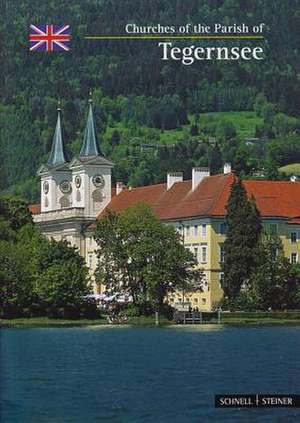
<point>73,193</point>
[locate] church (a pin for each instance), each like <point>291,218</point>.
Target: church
<point>74,194</point>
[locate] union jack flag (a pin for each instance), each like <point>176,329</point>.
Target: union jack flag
<point>49,37</point>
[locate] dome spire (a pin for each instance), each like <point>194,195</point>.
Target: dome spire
<point>57,154</point>
<point>90,145</point>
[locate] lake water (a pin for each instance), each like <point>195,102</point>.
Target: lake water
<point>144,374</point>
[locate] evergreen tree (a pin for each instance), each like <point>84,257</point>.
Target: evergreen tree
<point>194,130</point>
<point>216,160</point>
<point>240,247</point>
<point>115,138</point>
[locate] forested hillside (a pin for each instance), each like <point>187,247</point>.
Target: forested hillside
<point>140,99</point>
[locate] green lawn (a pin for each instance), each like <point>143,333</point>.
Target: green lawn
<point>244,122</point>
<point>51,322</point>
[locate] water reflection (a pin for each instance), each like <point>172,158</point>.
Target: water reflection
<point>108,326</point>
<point>207,327</point>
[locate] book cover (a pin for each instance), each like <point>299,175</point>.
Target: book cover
<point>149,211</point>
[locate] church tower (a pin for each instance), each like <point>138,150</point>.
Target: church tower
<point>56,175</point>
<point>91,173</point>
<point>73,194</point>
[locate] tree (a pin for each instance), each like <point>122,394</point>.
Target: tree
<point>14,211</point>
<point>17,270</point>
<point>283,124</point>
<point>240,247</point>
<point>143,257</point>
<point>194,130</point>
<point>216,161</point>
<point>115,138</point>
<point>284,150</point>
<point>275,283</point>
<point>16,279</point>
<point>225,130</point>
<point>260,102</point>
<point>38,275</point>
<point>62,278</point>
<point>268,112</point>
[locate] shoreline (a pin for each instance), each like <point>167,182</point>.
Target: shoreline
<point>238,319</point>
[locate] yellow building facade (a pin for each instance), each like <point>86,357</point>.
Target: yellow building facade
<point>205,239</point>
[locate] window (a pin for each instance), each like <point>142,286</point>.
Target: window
<point>172,300</point>
<point>293,237</point>
<point>203,301</point>
<point>90,260</point>
<point>223,228</point>
<point>294,258</point>
<point>222,253</point>
<point>203,254</point>
<point>221,278</point>
<point>196,300</point>
<point>204,230</point>
<point>195,230</point>
<point>196,253</point>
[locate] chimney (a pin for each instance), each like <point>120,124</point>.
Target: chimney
<point>174,177</point>
<point>119,187</point>
<point>199,173</point>
<point>227,168</point>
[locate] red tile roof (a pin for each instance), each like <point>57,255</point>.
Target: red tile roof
<point>273,198</point>
<point>294,221</point>
<point>276,198</point>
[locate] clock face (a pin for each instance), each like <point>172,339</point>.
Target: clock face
<point>77,181</point>
<point>98,181</point>
<point>46,187</point>
<point>65,187</point>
